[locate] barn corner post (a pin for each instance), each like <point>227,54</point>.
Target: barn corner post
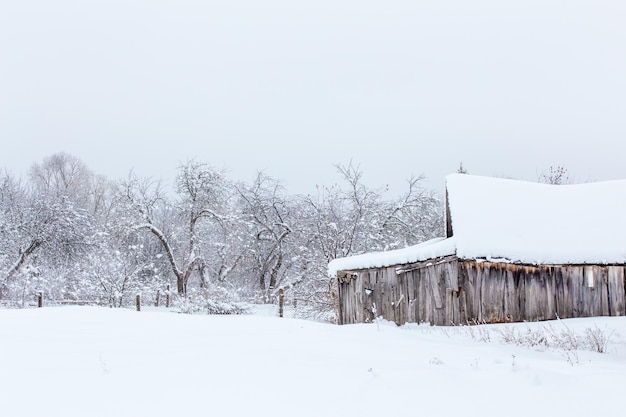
<point>339,303</point>
<point>335,292</point>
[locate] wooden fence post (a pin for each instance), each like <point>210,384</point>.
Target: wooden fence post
<point>156,304</point>
<point>281,302</point>
<point>40,299</point>
<point>138,302</point>
<point>167,297</point>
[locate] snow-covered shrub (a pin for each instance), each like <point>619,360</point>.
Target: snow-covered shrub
<point>528,337</point>
<point>597,339</point>
<point>561,338</point>
<point>210,301</point>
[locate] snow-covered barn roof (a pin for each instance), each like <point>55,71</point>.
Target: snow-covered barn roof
<point>521,222</point>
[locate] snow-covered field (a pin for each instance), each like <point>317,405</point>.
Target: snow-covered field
<point>85,361</point>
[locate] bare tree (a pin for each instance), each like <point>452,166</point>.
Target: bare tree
<point>201,191</point>
<point>35,219</point>
<point>268,212</point>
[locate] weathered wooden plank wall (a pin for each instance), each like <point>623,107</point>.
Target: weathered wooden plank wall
<point>449,291</point>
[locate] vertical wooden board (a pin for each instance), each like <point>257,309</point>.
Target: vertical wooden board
<point>426,298</point>
<point>531,296</point>
<point>414,301</point>
<point>467,288</point>
<point>368,297</point>
<point>593,299</point>
<point>421,295</point>
<point>559,293</point>
<point>435,286</point>
<point>429,303</point>
<point>386,310</point>
<point>441,285</point>
<point>569,293</point>
<point>498,295</point>
<point>348,313</point>
<point>357,298</point>
<point>496,313</point>
<point>539,294</point>
<point>453,274</point>
<point>389,312</point>
<point>340,303</point>
<point>462,300</point>
<point>485,293</point>
<point>391,276</point>
<point>416,296</point>
<point>620,294</point>
<point>352,301</point>
<point>476,295</point>
<point>591,306</point>
<point>617,296</point>
<point>344,302</point>
<point>575,282</point>
<point>488,293</point>
<point>444,284</point>
<point>568,301</point>
<point>543,292</point>
<point>470,291</point>
<point>511,301</point>
<point>547,278</point>
<point>410,296</point>
<point>402,282</point>
<point>532,310</point>
<point>520,276</point>
<point>601,274</point>
<point>476,313</point>
<point>580,291</point>
<point>382,298</point>
<point>583,290</point>
<point>543,303</point>
<point>392,296</point>
<point>480,295</point>
<point>384,305</point>
<point>379,299</point>
<point>401,299</point>
<point>393,307</point>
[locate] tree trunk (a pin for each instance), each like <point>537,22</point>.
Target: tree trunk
<point>181,284</point>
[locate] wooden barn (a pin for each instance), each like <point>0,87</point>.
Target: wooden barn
<point>514,251</point>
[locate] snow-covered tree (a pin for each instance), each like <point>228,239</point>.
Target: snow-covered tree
<point>201,192</point>
<point>267,210</point>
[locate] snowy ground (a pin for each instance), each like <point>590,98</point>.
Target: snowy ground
<point>84,361</point>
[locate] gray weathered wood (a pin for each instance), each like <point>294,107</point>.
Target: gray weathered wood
<point>448,291</point>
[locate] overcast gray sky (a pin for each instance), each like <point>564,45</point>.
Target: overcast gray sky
<point>292,87</point>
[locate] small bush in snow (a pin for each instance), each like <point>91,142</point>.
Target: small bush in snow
<point>556,337</point>
<point>597,339</point>
<point>215,301</point>
<point>563,339</point>
<point>530,338</point>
